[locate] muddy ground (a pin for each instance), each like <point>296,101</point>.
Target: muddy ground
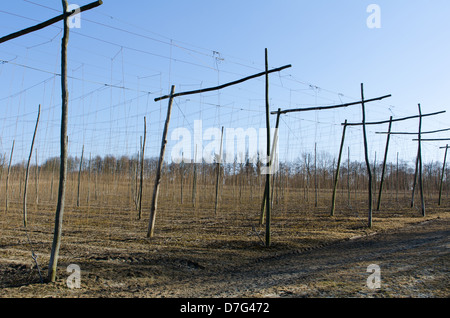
<point>311,255</point>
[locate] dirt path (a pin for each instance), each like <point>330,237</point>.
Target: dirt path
<point>413,263</point>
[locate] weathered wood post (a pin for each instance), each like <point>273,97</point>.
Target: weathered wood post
<point>315,174</point>
<point>153,210</point>
<point>194,180</point>
<point>384,164</point>
<point>348,176</point>
<point>398,182</point>
<point>274,155</point>
<point>63,162</point>
<point>79,177</point>
<point>268,208</point>
<point>141,182</point>
<point>366,155</point>
<point>219,160</point>
<point>442,175</point>
<point>263,205</point>
<point>27,171</point>
<point>416,171</point>
<point>7,176</point>
<point>51,182</point>
<point>420,162</point>
<point>89,182</point>
<point>336,177</point>
<point>36,180</point>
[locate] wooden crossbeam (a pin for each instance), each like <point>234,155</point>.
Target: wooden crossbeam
<point>436,139</point>
<point>412,133</point>
<point>204,90</point>
<point>47,23</point>
<point>394,120</point>
<point>330,107</point>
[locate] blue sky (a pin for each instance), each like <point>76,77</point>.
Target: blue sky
<point>127,53</point>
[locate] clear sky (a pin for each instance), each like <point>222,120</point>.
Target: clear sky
<point>127,53</point>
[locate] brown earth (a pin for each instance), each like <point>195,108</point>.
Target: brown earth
<point>312,255</point>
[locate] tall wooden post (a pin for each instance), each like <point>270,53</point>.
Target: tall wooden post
<point>151,226</point>
<point>274,155</point>
<point>420,163</point>
<point>374,174</point>
<point>7,176</point>
<point>442,175</point>
<point>268,208</point>
<point>194,180</point>
<point>181,168</point>
<point>415,178</point>
<point>51,182</point>
<point>336,177</point>
<point>219,159</point>
<point>348,177</point>
<point>36,180</point>
<point>63,163</point>
<point>315,174</point>
<point>384,164</point>
<point>141,182</point>
<point>28,168</point>
<point>79,177</point>
<point>366,155</point>
<point>398,182</point>
<point>263,205</point>
<point>89,182</point>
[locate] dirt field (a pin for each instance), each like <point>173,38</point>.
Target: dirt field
<point>196,254</point>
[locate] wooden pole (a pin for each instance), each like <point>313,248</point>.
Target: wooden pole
<point>420,163</point>
<point>194,180</point>
<point>28,168</point>
<point>268,208</point>
<point>366,155</point>
<point>79,177</point>
<point>151,227</point>
<point>181,177</point>
<point>219,159</point>
<point>36,180</point>
<point>398,182</point>
<point>336,177</point>
<point>415,178</point>
<point>273,154</point>
<point>7,176</point>
<point>63,164</point>
<point>89,182</point>
<point>51,183</point>
<point>348,176</point>
<point>136,176</point>
<point>384,165</point>
<point>442,175</point>
<point>263,205</point>
<point>141,182</point>
<point>315,174</point>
